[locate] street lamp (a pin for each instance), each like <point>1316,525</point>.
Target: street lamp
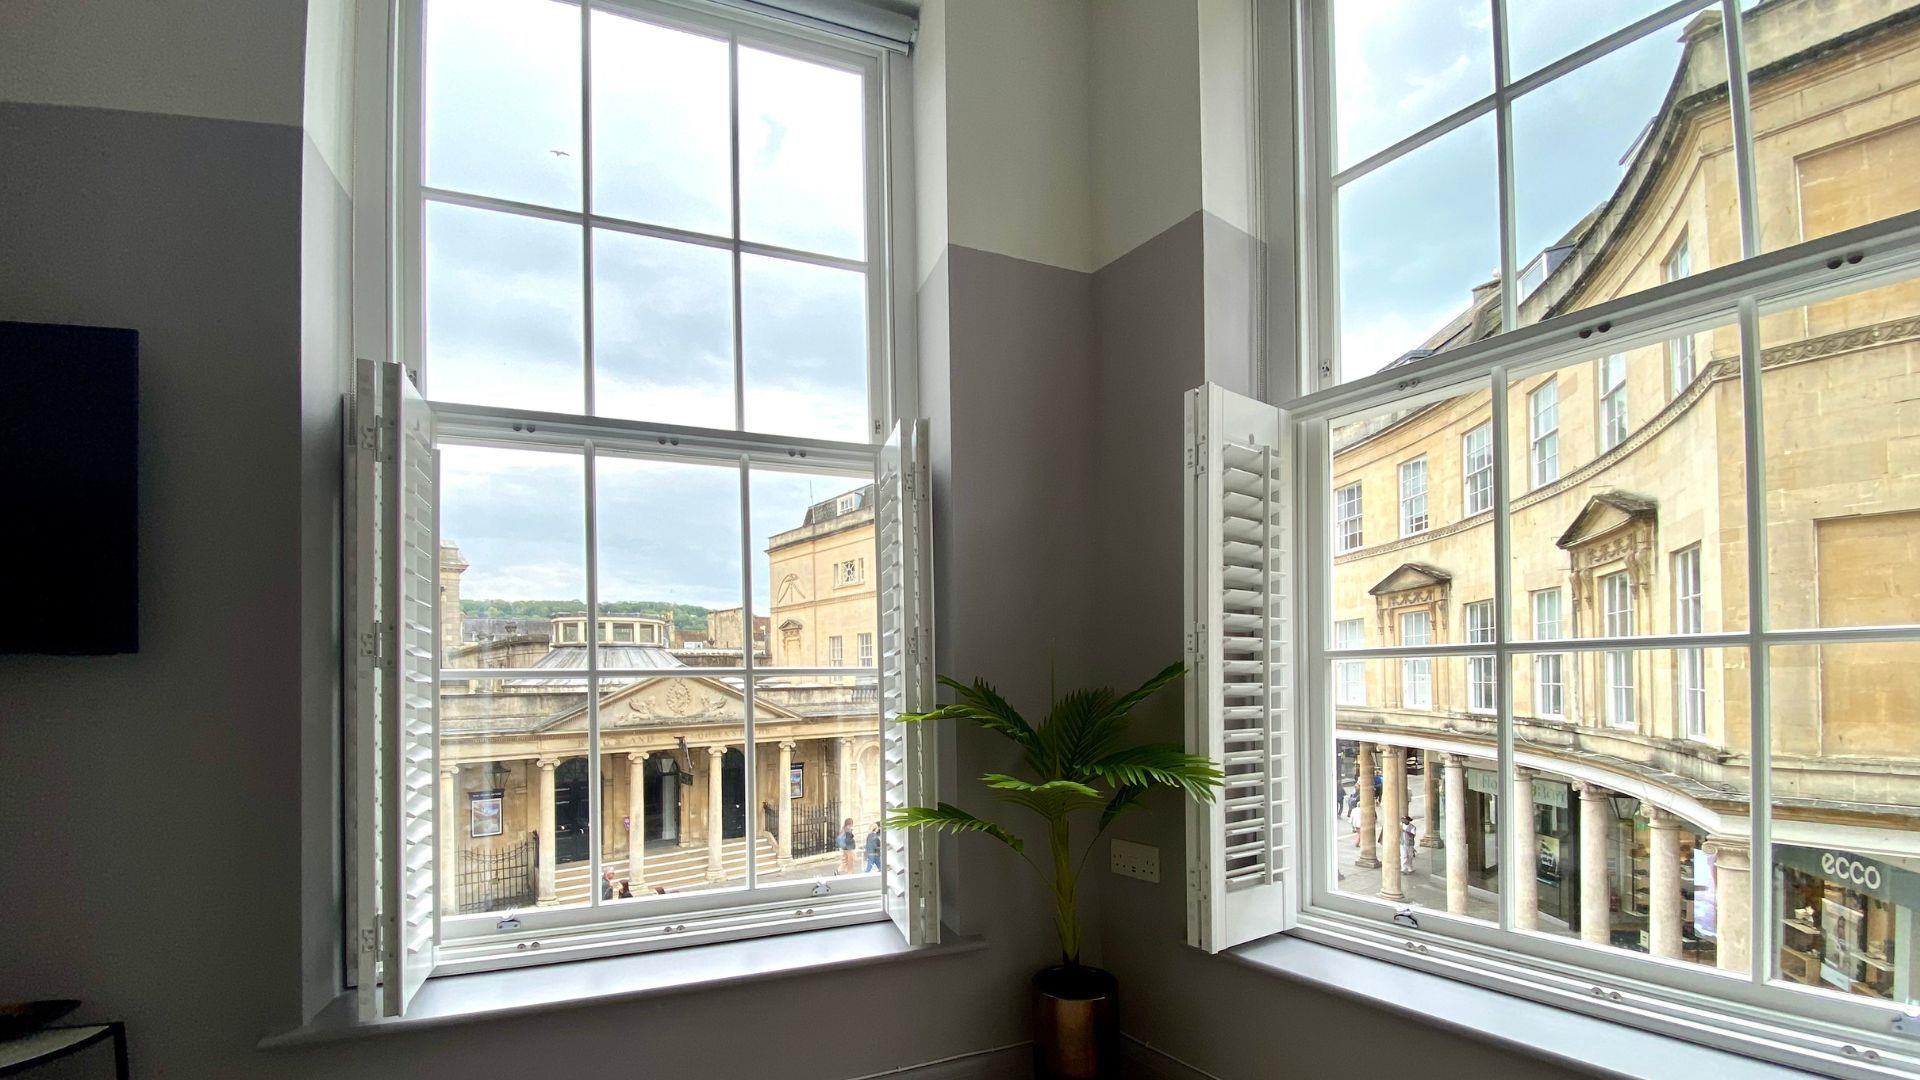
<point>1625,807</point>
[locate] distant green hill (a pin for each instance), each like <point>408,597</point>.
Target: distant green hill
<point>685,616</point>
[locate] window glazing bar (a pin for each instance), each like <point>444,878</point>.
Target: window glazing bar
<point>487,423</point>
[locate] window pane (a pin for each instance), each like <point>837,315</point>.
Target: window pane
<point>823,810</point>
<point>516,826</point>
<point>662,330</point>
<point>802,156</point>
<point>1606,183</point>
<point>661,128</point>
<point>512,554</point>
<point>1400,67</point>
<point>1443,564</point>
<point>656,734</point>
<point>1634,874</point>
<point>1834,145</point>
<point>1419,251</point>
<point>805,339</point>
<point>669,534</point>
<point>504,313</point>
<point>502,100</point>
<point>1611,478</point>
<point>1441,850</point>
<point>1539,34</point>
<point>814,596</point>
<point>1841,387</point>
<point>1846,850</point>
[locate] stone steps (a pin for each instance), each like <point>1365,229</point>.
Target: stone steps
<point>669,868</point>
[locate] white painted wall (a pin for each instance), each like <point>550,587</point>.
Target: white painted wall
<point>227,59</point>
<point>930,137</point>
<point>1145,120</point>
<point>1018,145</point>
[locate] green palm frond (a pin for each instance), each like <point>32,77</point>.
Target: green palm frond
<point>949,818</point>
<point>1075,722</point>
<point>1013,783</point>
<point>1052,800</point>
<point>1124,799</point>
<point>1159,763</point>
<point>983,705</point>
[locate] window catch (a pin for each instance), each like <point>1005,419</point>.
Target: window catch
<point>821,888</point>
<point>1405,917</point>
<point>508,923</point>
<point>1908,1024</point>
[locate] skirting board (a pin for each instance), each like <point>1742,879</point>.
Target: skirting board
<point>1015,1062</point>
<point>1147,1062</point>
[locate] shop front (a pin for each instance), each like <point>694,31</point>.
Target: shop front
<point>1847,920</point>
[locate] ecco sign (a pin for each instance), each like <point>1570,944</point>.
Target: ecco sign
<point>1836,867</point>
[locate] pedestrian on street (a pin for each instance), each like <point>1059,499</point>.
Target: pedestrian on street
<point>1408,834</point>
<point>873,848</point>
<point>606,885</point>
<point>846,846</point>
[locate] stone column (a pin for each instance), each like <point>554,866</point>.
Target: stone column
<point>543,796</point>
<point>450,822</point>
<point>1368,814</point>
<point>1663,885</point>
<point>1596,894</point>
<point>1733,894</point>
<point>783,844</point>
<point>716,812</point>
<point>849,789</point>
<point>1525,855</point>
<point>637,818</point>
<point>1393,809</point>
<point>1430,808</point>
<point>1456,834</point>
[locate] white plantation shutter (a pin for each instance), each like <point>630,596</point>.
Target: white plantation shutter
<point>393,565</point>
<point>1241,847</point>
<point>902,511</point>
<point>411,552</point>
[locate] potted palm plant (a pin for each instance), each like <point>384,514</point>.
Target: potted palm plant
<point>1080,763</point>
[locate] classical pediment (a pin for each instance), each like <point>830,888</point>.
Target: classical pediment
<point>670,700</point>
<point>1411,576</point>
<point>1605,515</point>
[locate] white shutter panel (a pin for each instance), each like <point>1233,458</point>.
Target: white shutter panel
<point>902,512</point>
<point>409,585</point>
<point>1241,847</point>
<point>361,507</point>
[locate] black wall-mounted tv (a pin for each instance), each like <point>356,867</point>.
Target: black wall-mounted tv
<point>69,490</point>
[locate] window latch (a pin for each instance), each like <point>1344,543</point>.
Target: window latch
<point>821,888</point>
<point>1908,1024</point>
<point>508,923</point>
<point>1405,917</point>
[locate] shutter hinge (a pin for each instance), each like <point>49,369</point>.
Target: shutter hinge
<point>1197,455</point>
<point>378,647</point>
<point>1198,642</point>
<point>383,444</point>
<point>370,938</point>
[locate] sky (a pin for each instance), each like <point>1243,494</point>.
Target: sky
<point>506,294</point>
<point>1418,233</point>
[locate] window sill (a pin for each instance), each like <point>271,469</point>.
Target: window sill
<point>1582,1043</point>
<point>457,999</point>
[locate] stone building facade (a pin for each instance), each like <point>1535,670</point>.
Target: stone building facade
<point>1628,518</point>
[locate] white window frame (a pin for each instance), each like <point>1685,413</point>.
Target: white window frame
<point>1476,470</point>
<point>1481,678</point>
<point>865,644</point>
<point>1549,668</point>
<point>1416,672</point>
<point>1680,363</point>
<point>388,321</point>
<point>1414,512</point>
<point>1612,377</point>
<point>1348,522</point>
<point>1617,681</point>
<point>1689,665</point>
<point>1828,1032</point>
<point>1543,432</point>
<point>836,651</point>
<point>1350,676</point>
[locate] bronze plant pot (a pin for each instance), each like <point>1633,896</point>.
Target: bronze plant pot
<point>1076,1024</point>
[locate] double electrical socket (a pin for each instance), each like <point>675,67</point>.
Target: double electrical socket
<point>1136,860</point>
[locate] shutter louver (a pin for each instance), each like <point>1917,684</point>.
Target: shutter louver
<point>410,555</point>
<point>901,509</point>
<point>1239,709</point>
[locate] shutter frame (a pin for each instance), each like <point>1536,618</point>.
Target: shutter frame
<point>910,857</point>
<point>1242,847</point>
<point>361,508</point>
<point>408,717</point>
